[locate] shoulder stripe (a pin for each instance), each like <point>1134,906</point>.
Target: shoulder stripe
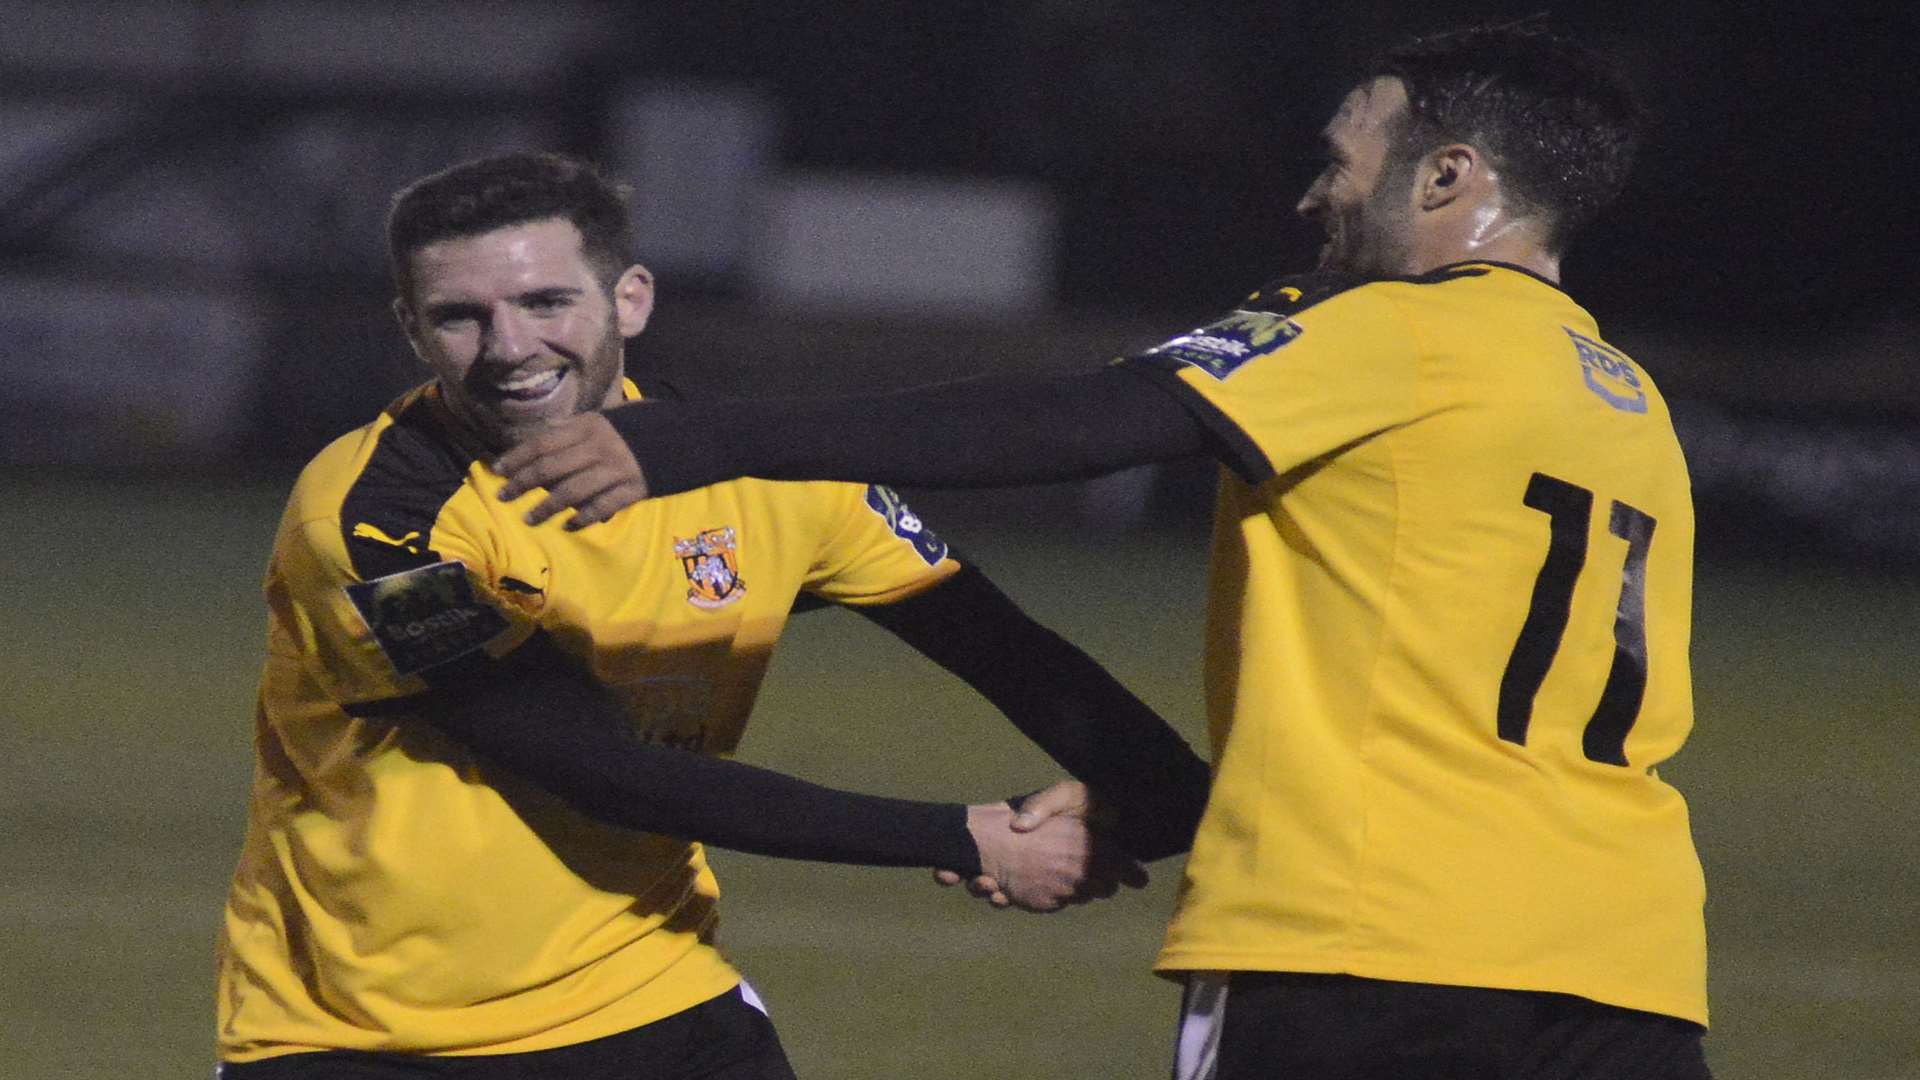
<point>387,516</point>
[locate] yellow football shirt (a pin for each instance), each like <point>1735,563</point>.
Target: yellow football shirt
<point>1447,646</point>
<point>393,893</point>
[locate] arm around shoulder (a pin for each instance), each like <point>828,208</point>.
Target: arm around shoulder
<point>983,432</point>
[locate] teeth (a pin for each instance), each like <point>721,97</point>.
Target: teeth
<point>539,381</point>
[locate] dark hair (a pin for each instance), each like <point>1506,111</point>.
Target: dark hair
<point>1559,120</point>
<point>490,193</point>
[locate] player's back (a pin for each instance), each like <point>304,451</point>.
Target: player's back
<point>1546,524</point>
<point>1461,641</point>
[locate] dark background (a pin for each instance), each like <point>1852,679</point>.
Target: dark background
<point>1761,264</point>
<point>1181,135</point>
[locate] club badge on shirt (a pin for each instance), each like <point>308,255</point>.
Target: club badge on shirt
<point>712,564</point>
<point>426,616</point>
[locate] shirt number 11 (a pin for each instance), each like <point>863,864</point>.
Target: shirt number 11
<point>1569,508</point>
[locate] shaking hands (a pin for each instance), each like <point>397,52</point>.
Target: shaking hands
<point>1050,854</point>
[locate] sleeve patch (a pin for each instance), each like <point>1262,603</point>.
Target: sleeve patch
<point>426,616</point>
<point>905,523</point>
<point>1222,348</point>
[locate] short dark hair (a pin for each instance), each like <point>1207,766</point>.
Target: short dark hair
<point>1559,120</point>
<point>479,196</point>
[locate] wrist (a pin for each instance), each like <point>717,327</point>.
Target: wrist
<point>986,824</point>
<point>648,430</point>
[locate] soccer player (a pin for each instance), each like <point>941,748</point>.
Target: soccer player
<point>1451,581</point>
<point>485,750</point>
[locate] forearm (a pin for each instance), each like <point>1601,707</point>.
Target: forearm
<point>1066,703</point>
<point>1107,738</point>
<point>559,731</point>
<point>983,432</point>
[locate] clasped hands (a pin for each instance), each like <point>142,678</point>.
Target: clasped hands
<point>1050,854</point>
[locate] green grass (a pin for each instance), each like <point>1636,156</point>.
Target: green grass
<point>133,626</point>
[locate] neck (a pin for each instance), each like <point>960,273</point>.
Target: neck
<point>1487,234</point>
<point>1526,256</point>
<point>1538,260</point>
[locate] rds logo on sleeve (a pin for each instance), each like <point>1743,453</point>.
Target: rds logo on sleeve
<point>1609,374</point>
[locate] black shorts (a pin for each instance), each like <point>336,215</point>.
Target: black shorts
<point>1338,1027</point>
<point>721,1039</point>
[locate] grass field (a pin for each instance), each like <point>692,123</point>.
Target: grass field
<point>133,626</point>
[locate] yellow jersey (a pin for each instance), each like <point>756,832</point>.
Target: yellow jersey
<point>393,893</point>
<point>1447,645</point>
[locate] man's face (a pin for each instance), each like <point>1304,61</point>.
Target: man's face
<point>519,329</point>
<point>1365,207</point>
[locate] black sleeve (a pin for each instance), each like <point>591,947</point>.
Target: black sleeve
<point>537,715</point>
<point>1065,702</point>
<point>984,432</point>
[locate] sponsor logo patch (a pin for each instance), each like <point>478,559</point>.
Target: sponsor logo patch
<point>712,564</point>
<point>1222,348</point>
<point>426,616</point>
<point>905,523</point>
<point>1609,374</point>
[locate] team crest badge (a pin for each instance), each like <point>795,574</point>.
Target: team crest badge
<point>712,564</point>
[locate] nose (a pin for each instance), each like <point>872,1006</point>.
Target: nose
<point>1314,202</point>
<point>509,336</point>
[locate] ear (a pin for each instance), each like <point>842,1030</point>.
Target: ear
<point>409,326</point>
<point>633,299</point>
<point>1447,174</point>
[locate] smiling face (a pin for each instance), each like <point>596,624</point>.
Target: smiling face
<point>1365,205</point>
<point>519,329</point>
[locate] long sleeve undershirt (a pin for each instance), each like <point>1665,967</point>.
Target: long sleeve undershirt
<point>538,715</point>
<point>985,432</point>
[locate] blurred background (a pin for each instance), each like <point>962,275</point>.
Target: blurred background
<point>839,196</point>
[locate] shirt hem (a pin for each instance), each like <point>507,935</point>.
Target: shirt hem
<point>570,1034</point>
<point>1174,965</point>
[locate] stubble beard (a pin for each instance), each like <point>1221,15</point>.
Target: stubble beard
<point>608,363</point>
<point>605,365</point>
<point>1373,240</point>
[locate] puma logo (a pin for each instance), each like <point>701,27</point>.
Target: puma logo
<point>372,533</point>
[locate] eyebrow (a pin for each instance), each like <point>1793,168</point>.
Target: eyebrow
<point>441,309</point>
<point>550,292</point>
